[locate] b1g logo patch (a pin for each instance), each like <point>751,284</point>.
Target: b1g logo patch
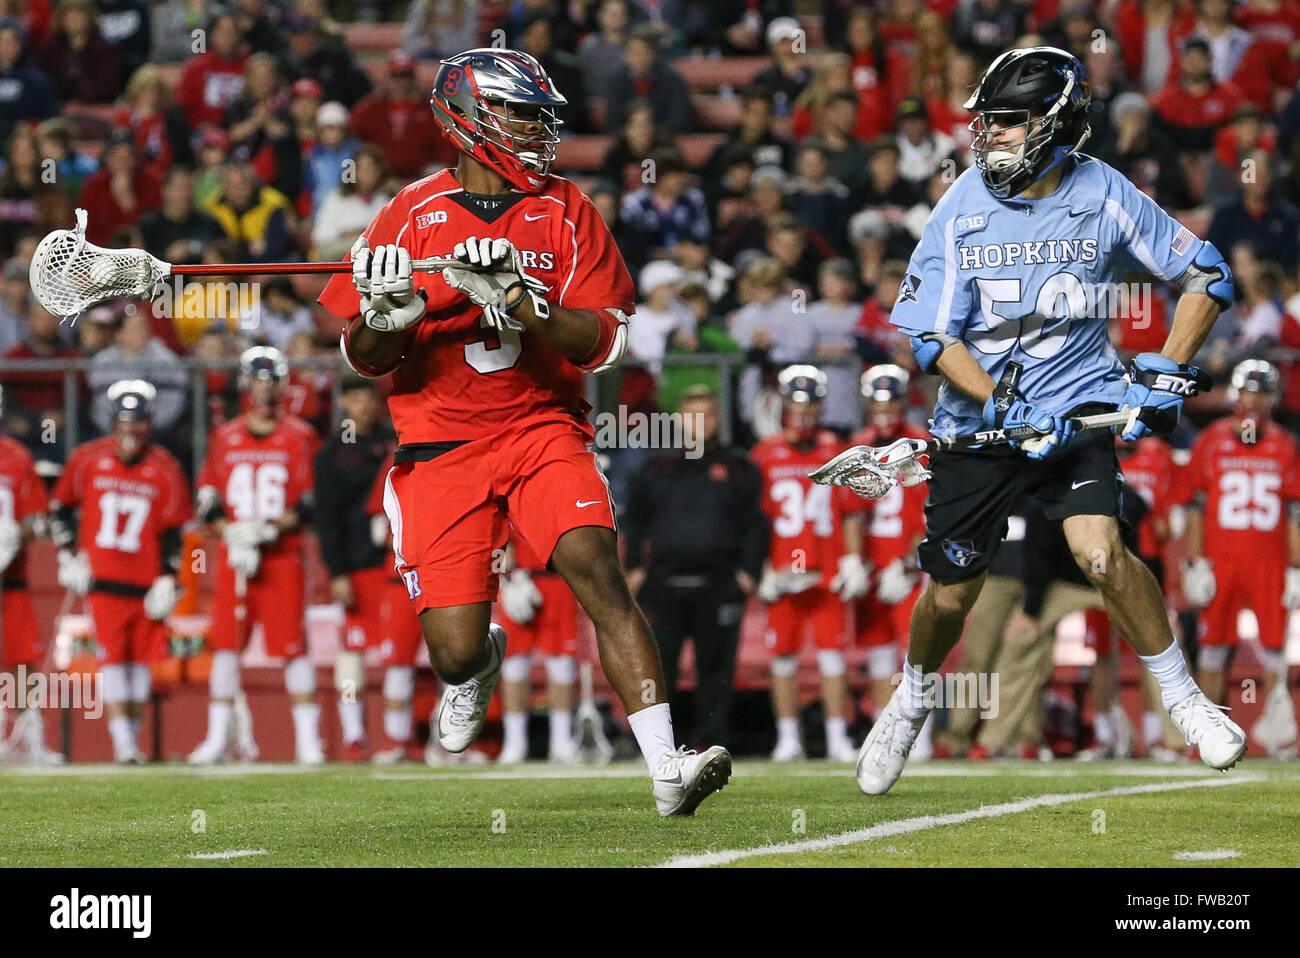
<point>425,220</point>
<point>412,580</point>
<point>908,287</point>
<point>960,552</point>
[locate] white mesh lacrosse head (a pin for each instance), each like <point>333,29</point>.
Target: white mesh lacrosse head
<point>68,274</point>
<point>871,473</point>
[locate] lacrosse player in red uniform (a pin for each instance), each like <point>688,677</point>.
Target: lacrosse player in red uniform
<point>254,491</point>
<point>813,567</point>
<point>121,502</point>
<point>487,361</point>
<point>1243,542</point>
<point>23,508</point>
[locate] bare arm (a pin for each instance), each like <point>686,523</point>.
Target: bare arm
<point>374,352</point>
<point>960,368</point>
<point>573,333</point>
<point>1293,538</point>
<point>1194,317</point>
<point>1195,533</point>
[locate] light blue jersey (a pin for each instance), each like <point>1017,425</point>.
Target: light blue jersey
<point>1036,281</point>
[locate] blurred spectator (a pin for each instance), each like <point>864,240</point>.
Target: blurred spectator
<point>698,265</point>
<point>636,142</point>
<point>1246,133</point>
<point>436,29</point>
<point>647,76</point>
<point>398,120</point>
<point>988,27</point>
<point>770,327</point>
<point>669,206</point>
<point>15,302</point>
<point>54,140</point>
<point>948,113</point>
<point>732,26</point>
<point>845,152</point>
<point>877,340</point>
<point>329,63</point>
<point>136,354</point>
<point>834,318</point>
<point>211,80</point>
<point>328,160</point>
<point>663,320</point>
<point>1073,29</point>
<point>1268,67</point>
<point>1150,32</point>
<point>25,92</point>
<point>33,406</point>
<point>304,102</point>
<point>1227,43</point>
<point>885,191</point>
<point>260,23</point>
<point>922,151</point>
<point>1144,153</point>
<point>255,217</point>
<point>83,66</point>
<point>176,232</point>
<point>350,207</point>
<point>562,67</point>
<point>1106,79</point>
<point>305,394</point>
<point>172,26</point>
<point>834,76</point>
<point>120,191</point>
<point>126,25</point>
<point>1194,106</point>
<point>880,72</point>
<point>753,136</point>
<point>214,147</point>
<point>277,315</point>
<point>819,200</point>
<point>934,48</point>
<point>788,75</point>
<point>162,133</point>
<point>1260,312</point>
<point>600,54</point>
<point>1259,217</point>
<point>261,128</point>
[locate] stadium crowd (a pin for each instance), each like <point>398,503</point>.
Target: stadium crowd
<point>765,166</point>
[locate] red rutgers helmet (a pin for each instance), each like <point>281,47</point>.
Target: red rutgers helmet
<point>480,97</point>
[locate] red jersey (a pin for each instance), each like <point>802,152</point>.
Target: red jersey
<point>22,494</point>
<point>207,85</point>
<point>1246,486</point>
<point>897,520</point>
<point>807,519</point>
<point>461,379</point>
<point>262,477</point>
<point>125,508</point>
<point>1149,471</point>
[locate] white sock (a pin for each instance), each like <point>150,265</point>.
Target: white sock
<point>1104,729</point>
<point>561,728</point>
<point>352,718</point>
<point>219,714</point>
<point>119,727</point>
<point>912,692</point>
<point>836,729</point>
<point>305,718</point>
<point>515,731</point>
<point>1170,670</point>
<point>136,721</point>
<point>397,724</point>
<point>787,729</point>
<point>1153,728</point>
<point>653,728</point>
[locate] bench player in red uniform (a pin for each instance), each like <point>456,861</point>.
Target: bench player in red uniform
<point>1243,543</point>
<point>813,564</point>
<point>121,502</point>
<point>488,401</point>
<point>254,491</point>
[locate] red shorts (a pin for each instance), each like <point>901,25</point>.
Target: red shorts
<point>275,598</point>
<point>1097,633</point>
<point>1242,585</point>
<point>448,514</point>
<point>790,618</point>
<point>123,632</point>
<point>383,618</point>
<point>877,624</point>
<point>553,628</point>
<point>20,641</point>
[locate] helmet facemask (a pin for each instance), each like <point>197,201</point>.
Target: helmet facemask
<point>535,153</point>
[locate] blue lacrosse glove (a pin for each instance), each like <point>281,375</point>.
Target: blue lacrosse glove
<point>1157,387</point>
<point>1012,411</point>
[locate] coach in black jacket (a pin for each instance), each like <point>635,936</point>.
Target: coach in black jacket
<point>695,539</point>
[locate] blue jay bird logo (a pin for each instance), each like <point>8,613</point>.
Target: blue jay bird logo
<point>960,552</point>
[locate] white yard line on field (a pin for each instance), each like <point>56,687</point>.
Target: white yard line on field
<point>922,823</point>
<point>235,853</point>
<point>1211,856</point>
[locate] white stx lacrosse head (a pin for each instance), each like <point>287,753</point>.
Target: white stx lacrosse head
<point>872,472</point>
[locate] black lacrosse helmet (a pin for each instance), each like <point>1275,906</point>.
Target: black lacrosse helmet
<point>1044,89</point>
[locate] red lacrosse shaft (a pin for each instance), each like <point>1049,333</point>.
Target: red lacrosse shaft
<point>225,269</point>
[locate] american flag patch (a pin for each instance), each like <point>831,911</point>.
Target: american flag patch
<point>1182,240</point>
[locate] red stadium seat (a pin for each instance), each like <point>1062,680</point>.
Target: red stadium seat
<point>380,38</point>
<point>710,73</point>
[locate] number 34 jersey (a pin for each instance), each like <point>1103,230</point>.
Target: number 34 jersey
<point>262,477</point>
<point>1246,487</point>
<point>125,508</point>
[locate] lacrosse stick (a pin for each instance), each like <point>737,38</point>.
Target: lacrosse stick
<point>69,275</point>
<point>589,726</point>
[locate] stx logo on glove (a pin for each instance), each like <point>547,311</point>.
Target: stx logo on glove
<point>1178,384</point>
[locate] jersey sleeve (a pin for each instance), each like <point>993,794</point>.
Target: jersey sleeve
<point>1163,246</point>
<point>177,508</point>
<point>340,296</point>
<point>932,298</point>
<point>67,490</point>
<point>593,273</point>
<point>32,499</point>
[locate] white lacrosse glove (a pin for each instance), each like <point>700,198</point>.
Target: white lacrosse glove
<point>494,279</point>
<point>161,598</point>
<point>249,532</point>
<point>851,577</point>
<point>769,585</point>
<point>895,583</point>
<point>1198,582</point>
<point>74,571</point>
<point>244,559</point>
<point>520,597</point>
<point>1291,594</point>
<point>11,541</point>
<point>379,531</point>
<point>383,277</point>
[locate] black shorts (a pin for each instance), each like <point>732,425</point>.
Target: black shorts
<point>973,492</point>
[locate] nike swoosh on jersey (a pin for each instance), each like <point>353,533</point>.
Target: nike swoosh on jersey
<point>1079,485</point>
<point>582,505</point>
<point>530,219</point>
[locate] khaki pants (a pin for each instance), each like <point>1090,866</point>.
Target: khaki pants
<point>982,641</point>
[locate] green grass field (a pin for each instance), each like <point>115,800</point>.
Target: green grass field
<point>951,814</point>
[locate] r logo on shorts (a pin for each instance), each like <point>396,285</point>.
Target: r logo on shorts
<point>412,579</point>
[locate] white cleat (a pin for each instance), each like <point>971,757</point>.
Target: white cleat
<point>1219,739</point>
<point>841,750</point>
<point>563,753</point>
<point>788,751</point>
<point>685,778</point>
<point>463,708</point>
<point>388,756</point>
<point>884,753</point>
<point>209,752</point>
<point>1276,727</point>
<point>514,755</point>
<point>310,754</point>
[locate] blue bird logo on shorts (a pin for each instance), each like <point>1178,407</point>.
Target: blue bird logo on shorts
<point>960,553</point>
